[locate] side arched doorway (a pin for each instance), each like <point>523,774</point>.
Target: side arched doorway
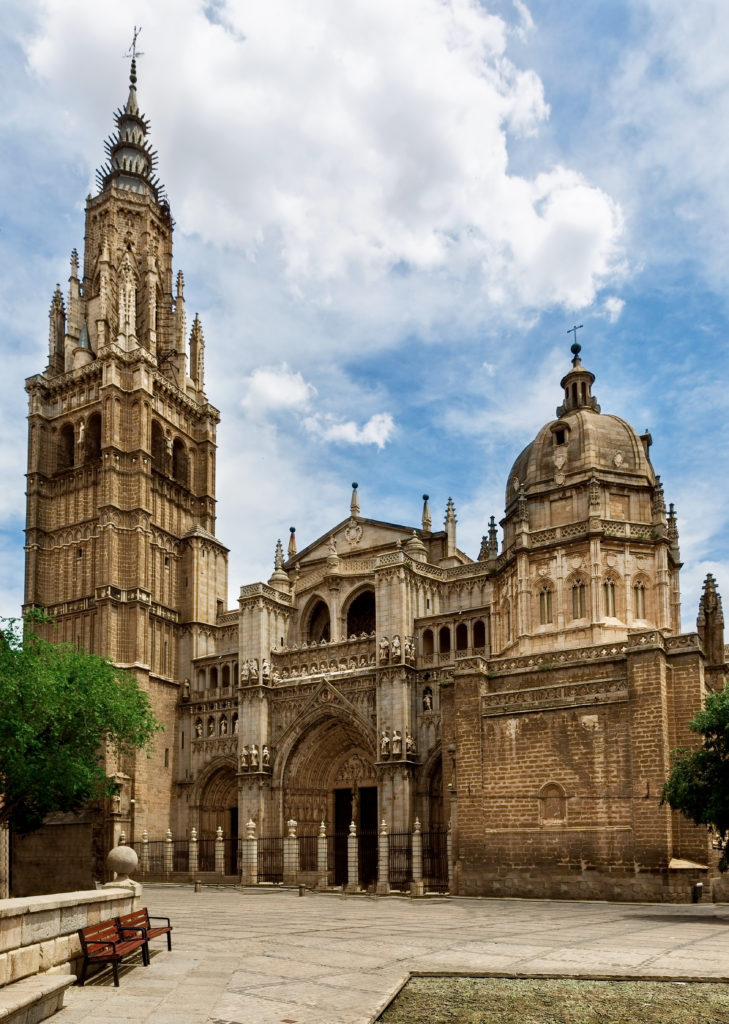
<point>329,775</point>
<point>218,806</point>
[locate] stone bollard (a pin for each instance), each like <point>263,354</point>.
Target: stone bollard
<point>383,860</point>
<point>144,860</point>
<point>291,854</point>
<point>249,872</point>
<point>193,853</point>
<point>418,886</point>
<point>122,860</point>
<point>322,859</point>
<point>219,851</point>
<point>169,850</point>
<point>352,860</point>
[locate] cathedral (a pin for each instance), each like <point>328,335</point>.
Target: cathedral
<point>523,703</point>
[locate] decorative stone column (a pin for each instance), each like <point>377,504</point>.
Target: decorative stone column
<point>193,854</point>
<point>352,860</point>
<point>219,851</point>
<point>418,886</point>
<point>168,852</point>
<point>383,859</point>
<point>322,858</point>
<point>291,854</point>
<point>144,859</point>
<point>249,866</point>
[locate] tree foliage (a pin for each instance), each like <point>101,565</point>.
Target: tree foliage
<point>62,711</point>
<point>698,784</point>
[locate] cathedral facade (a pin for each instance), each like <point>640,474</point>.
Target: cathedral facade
<point>527,700</point>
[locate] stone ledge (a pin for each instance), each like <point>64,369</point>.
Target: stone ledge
<point>57,901</point>
<point>33,999</point>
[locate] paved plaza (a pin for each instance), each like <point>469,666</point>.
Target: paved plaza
<point>273,957</point>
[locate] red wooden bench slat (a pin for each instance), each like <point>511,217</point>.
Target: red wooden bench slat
<point>140,919</point>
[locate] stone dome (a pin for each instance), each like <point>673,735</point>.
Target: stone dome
<point>579,444</point>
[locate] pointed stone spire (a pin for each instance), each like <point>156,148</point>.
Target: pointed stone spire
<point>131,161</point>
<point>292,542</point>
<point>197,353</point>
<point>659,502</point>
<point>56,332</point>
<point>577,386</point>
<point>354,504</point>
<point>450,528</point>
<point>279,580</point>
<point>710,627</point>
<point>427,520</point>
<point>672,527</point>
<point>493,544</point>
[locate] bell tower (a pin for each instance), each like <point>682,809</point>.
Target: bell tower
<point>120,538</point>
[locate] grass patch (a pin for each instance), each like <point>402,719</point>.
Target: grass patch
<point>557,1001</point>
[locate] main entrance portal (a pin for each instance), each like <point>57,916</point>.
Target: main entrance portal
<point>330,776</point>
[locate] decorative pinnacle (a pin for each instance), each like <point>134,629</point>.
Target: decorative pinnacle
<point>133,52</point>
<point>354,504</point>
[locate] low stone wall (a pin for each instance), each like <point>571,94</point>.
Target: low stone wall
<point>38,933</point>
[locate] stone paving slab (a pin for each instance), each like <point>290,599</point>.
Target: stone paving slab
<point>277,958</point>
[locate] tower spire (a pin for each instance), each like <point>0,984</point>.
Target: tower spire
<point>131,162</point>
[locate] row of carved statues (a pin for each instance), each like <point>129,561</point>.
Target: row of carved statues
<point>394,747</point>
<point>212,730</point>
<point>251,760</point>
<point>324,643</point>
<point>394,651</point>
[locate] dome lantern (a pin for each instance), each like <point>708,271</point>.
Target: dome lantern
<point>577,386</point>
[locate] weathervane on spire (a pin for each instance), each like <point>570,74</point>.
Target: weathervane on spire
<point>133,52</point>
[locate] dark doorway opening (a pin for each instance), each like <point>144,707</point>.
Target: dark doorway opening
<point>342,820</point>
<point>367,835</point>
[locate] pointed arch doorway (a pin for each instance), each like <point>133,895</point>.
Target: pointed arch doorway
<point>330,776</point>
<point>218,807</point>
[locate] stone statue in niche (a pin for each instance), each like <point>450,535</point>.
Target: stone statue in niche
<point>245,672</point>
<point>384,744</point>
<point>253,668</point>
<point>265,756</point>
<point>409,649</point>
<point>223,726</point>
<point>186,688</point>
<point>198,728</point>
<point>245,758</point>
<point>265,669</point>
<point>427,699</point>
<point>395,649</point>
<point>397,743</point>
<point>235,725</point>
<point>411,747</point>
<point>384,650</point>
<point>254,757</point>
<point>211,726</point>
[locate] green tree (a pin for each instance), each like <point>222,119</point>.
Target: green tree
<point>62,711</point>
<point>698,784</point>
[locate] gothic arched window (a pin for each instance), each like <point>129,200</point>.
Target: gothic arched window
<point>66,447</point>
<point>461,636</point>
<point>93,437</point>
<point>545,605</point>
<point>579,600</point>
<point>639,599</point>
<point>179,462</point>
<point>158,447</point>
<point>361,614</point>
<point>552,803</point>
<point>608,598</point>
<point>444,640</point>
<point>479,635</point>
<point>428,641</point>
<point>319,623</point>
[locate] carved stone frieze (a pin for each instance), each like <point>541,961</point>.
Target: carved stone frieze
<point>544,698</point>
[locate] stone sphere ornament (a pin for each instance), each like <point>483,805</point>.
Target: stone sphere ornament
<point>123,860</point>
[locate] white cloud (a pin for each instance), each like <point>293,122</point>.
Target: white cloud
<point>271,388</point>
<point>377,430</point>
<point>352,141</point>
<point>613,307</point>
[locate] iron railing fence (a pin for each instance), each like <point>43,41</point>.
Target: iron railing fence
<point>367,852</point>
<point>435,860</point>
<point>307,853</point>
<point>400,861</point>
<point>206,855</point>
<point>337,858</point>
<point>180,855</point>
<point>270,859</point>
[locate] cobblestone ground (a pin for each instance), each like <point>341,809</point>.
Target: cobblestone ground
<point>272,957</point>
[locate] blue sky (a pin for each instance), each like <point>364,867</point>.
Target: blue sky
<point>388,213</point>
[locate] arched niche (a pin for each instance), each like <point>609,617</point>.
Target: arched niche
<point>361,613</point>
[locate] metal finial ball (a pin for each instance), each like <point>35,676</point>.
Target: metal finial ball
<point>425,497</point>
<point>575,348</point>
<point>133,73</point>
<point>355,485</point>
<point>292,529</point>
